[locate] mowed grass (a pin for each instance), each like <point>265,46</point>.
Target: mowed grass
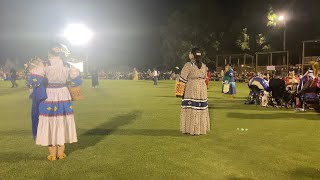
<point>130,130</point>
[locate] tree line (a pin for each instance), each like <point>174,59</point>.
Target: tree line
<point>245,26</point>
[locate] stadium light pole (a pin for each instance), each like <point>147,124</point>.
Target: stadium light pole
<point>282,18</point>
<point>79,35</point>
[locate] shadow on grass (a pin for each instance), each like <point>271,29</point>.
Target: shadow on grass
<point>274,116</point>
<point>238,107</point>
<point>305,172</point>
<point>239,178</point>
<point>13,157</point>
<point>139,132</point>
<point>93,136</point>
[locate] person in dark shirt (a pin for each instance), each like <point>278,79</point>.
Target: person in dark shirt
<point>13,78</point>
<point>95,77</point>
<point>277,87</point>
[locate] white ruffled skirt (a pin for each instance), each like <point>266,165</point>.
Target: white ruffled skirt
<point>56,121</point>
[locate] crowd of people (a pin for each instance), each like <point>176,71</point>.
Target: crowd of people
<point>292,90</point>
<point>243,76</point>
<point>144,75</point>
<point>133,75</point>
<point>12,76</point>
<point>6,74</point>
<point>52,95</point>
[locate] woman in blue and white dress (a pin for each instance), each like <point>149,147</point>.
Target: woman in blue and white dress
<point>56,119</point>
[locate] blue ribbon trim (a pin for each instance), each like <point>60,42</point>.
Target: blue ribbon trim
<point>194,104</point>
<point>55,109</point>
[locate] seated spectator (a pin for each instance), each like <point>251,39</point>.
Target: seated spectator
<point>277,87</point>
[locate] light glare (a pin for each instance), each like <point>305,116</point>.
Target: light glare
<point>281,18</point>
<point>78,34</point>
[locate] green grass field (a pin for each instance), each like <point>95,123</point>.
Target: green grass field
<point>130,130</point>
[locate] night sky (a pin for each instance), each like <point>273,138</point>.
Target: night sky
<point>126,31</point>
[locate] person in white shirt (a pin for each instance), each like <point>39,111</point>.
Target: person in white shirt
<point>155,77</point>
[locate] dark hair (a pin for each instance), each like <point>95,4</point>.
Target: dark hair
<point>54,53</point>
<point>277,73</point>
<point>197,56</point>
<point>62,52</point>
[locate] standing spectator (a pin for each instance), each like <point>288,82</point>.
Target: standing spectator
<point>149,74</point>
<point>13,78</point>
<point>135,74</point>
<point>2,75</point>
<point>231,80</point>
<point>176,72</point>
<point>225,80</point>
<point>221,74</point>
<point>208,78</point>
<point>194,108</point>
<point>155,77</point>
<point>95,77</point>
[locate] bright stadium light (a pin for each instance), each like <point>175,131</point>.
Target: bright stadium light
<point>281,18</point>
<point>78,34</point>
